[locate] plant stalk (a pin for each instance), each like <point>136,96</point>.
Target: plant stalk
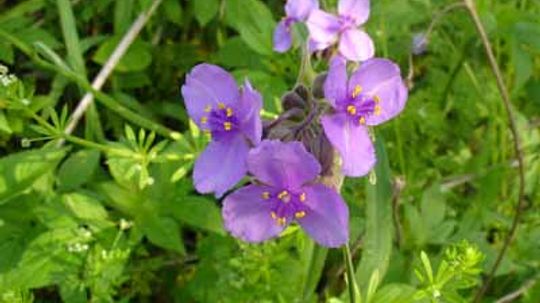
<point>505,96</point>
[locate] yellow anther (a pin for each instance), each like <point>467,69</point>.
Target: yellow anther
<point>265,195</point>
<point>300,214</point>
<point>208,108</point>
<point>283,196</point>
<point>204,120</point>
<point>221,105</point>
<point>227,126</point>
<point>351,109</point>
<point>377,110</point>
<point>229,112</point>
<point>362,120</point>
<point>357,90</point>
<point>274,215</point>
<point>282,221</point>
<point>376,99</point>
<point>302,197</point>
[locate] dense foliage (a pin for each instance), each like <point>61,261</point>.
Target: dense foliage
<point>109,213</point>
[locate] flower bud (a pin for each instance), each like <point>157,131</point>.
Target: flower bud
<point>317,88</point>
<point>419,44</point>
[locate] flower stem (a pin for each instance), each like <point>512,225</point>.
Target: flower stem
<point>305,74</point>
<point>520,204</point>
<point>354,291</point>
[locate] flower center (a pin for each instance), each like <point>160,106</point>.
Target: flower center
<point>286,205</point>
<point>346,22</point>
<point>360,106</point>
<point>219,121</point>
<point>289,21</point>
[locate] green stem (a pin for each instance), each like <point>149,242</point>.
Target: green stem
<point>354,291</point>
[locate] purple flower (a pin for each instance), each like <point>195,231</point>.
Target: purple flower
<point>325,29</point>
<point>374,94</point>
<point>285,193</point>
<point>231,116</point>
<point>296,11</point>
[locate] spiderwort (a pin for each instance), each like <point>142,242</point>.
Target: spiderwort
<point>295,11</point>
<point>285,192</point>
<point>231,116</point>
<point>374,94</point>
<point>326,29</point>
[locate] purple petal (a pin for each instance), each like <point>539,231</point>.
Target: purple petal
<point>207,84</point>
<point>356,45</point>
<point>357,9</point>
<point>314,46</point>
<point>300,9</point>
<point>248,217</point>
<point>221,165</point>
<point>381,78</point>
<point>352,142</point>
<point>249,109</point>
<point>282,37</point>
<point>283,165</point>
<point>327,220</point>
<point>335,85</point>
<point>323,27</point>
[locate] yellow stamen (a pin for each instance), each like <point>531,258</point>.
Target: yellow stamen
<point>229,112</point>
<point>302,197</point>
<point>227,126</point>
<point>351,109</point>
<point>221,105</point>
<point>362,120</point>
<point>282,195</point>
<point>274,215</point>
<point>300,214</point>
<point>376,99</point>
<point>281,221</point>
<point>265,195</point>
<point>377,110</point>
<point>208,108</point>
<point>204,120</point>
<point>357,90</point>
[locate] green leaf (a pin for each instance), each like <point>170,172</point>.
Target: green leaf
<point>71,37</point>
<point>433,206</point>
<point>205,10</point>
<point>87,210</point>
<point>6,53</point>
<point>162,231</point>
<point>197,212</point>
<point>523,66</point>
<point>46,261</point>
<point>173,11</point>
<point>21,170</point>
<point>78,169</point>
<point>315,256</point>
<point>254,21</point>
<point>379,227</point>
<point>4,125</point>
<point>395,293</point>
<point>137,58</point>
<point>427,266</point>
<point>123,15</point>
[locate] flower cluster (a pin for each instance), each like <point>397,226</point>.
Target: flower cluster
<point>294,161</point>
<point>326,29</point>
